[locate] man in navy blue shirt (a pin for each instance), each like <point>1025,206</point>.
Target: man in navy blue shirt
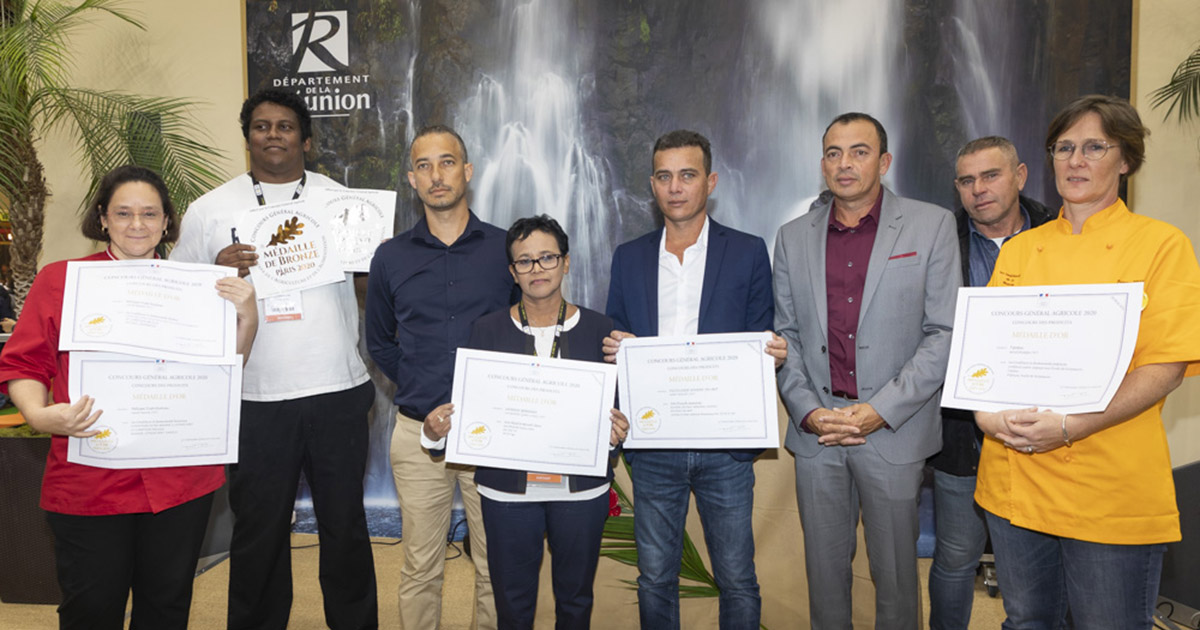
<point>425,289</point>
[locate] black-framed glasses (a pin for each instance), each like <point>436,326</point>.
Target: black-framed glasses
<point>1092,149</point>
<point>545,261</point>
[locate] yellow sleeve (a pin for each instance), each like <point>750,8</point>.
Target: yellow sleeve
<point>1170,325</point>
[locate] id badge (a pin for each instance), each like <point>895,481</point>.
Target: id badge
<point>283,308</point>
<point>543,479</point>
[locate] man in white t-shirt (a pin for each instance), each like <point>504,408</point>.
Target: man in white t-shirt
<point>305,394</point>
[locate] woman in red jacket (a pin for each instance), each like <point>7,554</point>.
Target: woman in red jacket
<point>114,530</point>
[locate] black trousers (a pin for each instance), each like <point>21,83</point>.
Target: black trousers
<point>326,437</point>
<point>100,558</point>
<point>516,533</point>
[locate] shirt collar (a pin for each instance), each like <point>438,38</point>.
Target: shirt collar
<point>873,215</point>
<point>1100,220</point>
<point>420,231</point>
<point>700,245</point>
<point>1025,225</point>
<point>108,250</point>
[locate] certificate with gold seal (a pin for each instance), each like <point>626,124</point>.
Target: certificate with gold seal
<point>152,308</point>
<point>1060,347</point>
<point>712,391</point>
<point>523,412</point>
<point>156,413</point>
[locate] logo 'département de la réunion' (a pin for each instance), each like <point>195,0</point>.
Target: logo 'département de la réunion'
<point>319,42</point>
<point>319,69</point>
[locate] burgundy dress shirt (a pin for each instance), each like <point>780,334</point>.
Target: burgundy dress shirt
<point>847,253</point>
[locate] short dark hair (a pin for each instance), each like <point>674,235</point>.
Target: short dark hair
<point>94,229</point>
<point>1119,120</point>
<point>283,99</point>
<point>522,228</point>
<point>429,130</point>
<point>850,117</point>
<point>681,138</point>
<point>991,142</point>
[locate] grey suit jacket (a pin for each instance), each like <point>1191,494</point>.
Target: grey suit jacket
<point>903,327</point>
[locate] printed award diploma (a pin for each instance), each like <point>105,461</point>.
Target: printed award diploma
<point>152,308</point>
<point>523,412</point>
<point>358,218</point>
<point>156,413</point>
<point>295,248</point>
<point>703,392</point>
<point>1063,347</point>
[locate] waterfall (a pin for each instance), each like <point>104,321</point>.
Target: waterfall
<point>982,59</point>
<point>998,86</point>
<point>409,59</point>
<point>806,63</point>
<point>526,118</point>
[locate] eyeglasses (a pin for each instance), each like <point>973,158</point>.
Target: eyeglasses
<point>546,262</point>
<point>127,216</point>
<point>1092,149</point>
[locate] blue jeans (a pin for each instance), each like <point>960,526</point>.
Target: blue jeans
<point>1044,577</point>
<point>961,538</point>
<point>724,487</point>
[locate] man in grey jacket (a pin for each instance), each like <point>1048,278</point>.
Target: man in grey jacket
<point>865,286</point>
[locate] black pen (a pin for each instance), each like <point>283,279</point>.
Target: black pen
<point>233,235</point>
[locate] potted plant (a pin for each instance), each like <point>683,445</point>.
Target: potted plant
<point>26,542</point>
<point>110,128</point>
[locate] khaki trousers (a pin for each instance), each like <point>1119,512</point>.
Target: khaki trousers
<point>425,487</point>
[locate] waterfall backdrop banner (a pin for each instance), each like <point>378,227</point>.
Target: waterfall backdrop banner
<point>560,102</point>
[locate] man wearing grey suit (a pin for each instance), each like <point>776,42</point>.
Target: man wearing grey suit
<point>865,285</point>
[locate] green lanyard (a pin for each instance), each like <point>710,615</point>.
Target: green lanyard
<point>562,316</point>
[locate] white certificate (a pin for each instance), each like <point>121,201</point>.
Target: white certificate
<point>295,248</point>
<point>1063,347</point>
<point>703,392</point>
<point>152,308</point>
<point>523,412</point>
<point>359,219</point>
<point>156,413</point>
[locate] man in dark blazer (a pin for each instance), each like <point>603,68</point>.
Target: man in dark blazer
<point>865,286</point>
<point>989,177</point>
<point>692,276</point>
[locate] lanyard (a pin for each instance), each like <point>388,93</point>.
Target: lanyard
<point>562,316</point>
<point>262,201</point>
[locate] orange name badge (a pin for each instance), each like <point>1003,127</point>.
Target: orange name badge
<point>543,478</point>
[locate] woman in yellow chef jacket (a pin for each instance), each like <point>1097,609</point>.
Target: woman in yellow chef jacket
<point>1080,506</point>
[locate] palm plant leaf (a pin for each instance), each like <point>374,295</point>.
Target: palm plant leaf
<point>16,140</point>
<point>36,56</point>
<point>34,44</point>
<point>619,528</point>
<point>689,590</point>
<point>110,128</point>
<point>1182,92</point>
<point>114,128</point>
